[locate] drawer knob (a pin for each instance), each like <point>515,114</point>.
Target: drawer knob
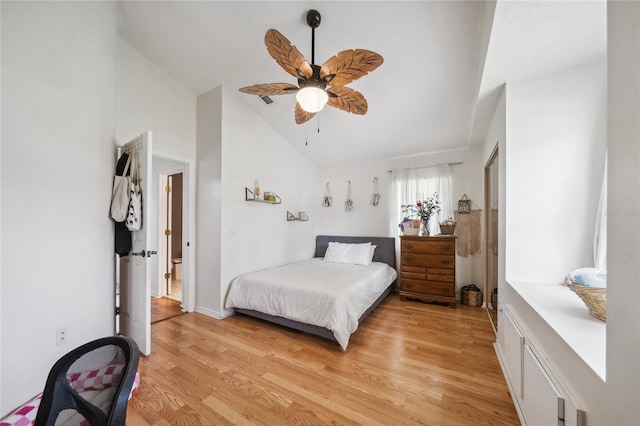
<point>444,247</point>
<point>446,262</point>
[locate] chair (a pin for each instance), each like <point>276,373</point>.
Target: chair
<point>91,384</point>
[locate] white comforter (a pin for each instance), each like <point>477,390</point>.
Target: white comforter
<point>325,294</point>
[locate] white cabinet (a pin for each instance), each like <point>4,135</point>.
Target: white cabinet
<point>539,397</point>
<point>514,345</point>
<point>542,401</point>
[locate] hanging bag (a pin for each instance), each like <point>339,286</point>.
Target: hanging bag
<point>134,217</point>
<point>120,194</point>
<point>326,202</point>
<point>375,197</point>
<point>348,205</point>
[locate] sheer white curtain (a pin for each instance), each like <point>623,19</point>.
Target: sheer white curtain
<point>412,185</point>
<point>600,235</point>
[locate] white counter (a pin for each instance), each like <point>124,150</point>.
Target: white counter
<point>568,316</point>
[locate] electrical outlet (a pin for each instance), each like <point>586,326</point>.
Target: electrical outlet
<point>61,335</point>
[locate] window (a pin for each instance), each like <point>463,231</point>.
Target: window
<point>412,185</point>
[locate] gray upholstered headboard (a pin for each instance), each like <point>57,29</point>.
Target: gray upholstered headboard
<point>385,246</point>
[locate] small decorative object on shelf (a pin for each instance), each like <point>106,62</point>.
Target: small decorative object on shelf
<point>464,204</point>
<point>302,216</point>
<point>251,196</point>
<point>256,188</point>
<point>326,202</point>
<point>375,197</point>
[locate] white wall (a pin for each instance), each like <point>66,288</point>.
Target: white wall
<point>149,99</point>
<point>556,143</point>
<point>364,219</point>
<point>623,240</point>
<point>209,202</point>
<point>58,86</point>
<point>257,235</point>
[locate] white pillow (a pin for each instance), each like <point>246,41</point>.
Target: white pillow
<point>356,254</point>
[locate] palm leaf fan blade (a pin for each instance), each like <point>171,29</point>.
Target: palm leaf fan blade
<point>347,99</point>
<point>286,55</point>
<point>348,66</point>
<point>270,89</point>
<point>302,116</point>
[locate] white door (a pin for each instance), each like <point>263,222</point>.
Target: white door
<point>135,290</point>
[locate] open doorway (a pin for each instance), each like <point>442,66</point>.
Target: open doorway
<point>169,283</point>
<point>173,236</point>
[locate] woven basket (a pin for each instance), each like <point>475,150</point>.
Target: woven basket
<point>447,229</point>
<point>594,297</point>
<point>471,295</point>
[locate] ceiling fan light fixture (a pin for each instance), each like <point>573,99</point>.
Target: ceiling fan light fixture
<point>312,99</point>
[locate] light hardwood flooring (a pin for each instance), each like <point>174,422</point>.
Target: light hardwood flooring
<point>163,308</point>
<point>409,363</point>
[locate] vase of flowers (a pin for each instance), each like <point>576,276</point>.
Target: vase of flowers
<point>423,210</point>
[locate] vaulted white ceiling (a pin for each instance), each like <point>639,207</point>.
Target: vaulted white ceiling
<point>432,93</point>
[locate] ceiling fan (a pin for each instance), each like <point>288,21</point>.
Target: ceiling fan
<point>317,85</point>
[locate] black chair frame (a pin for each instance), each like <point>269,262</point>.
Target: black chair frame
<point>58,394</point>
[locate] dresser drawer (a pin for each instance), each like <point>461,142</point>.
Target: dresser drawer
<point>416,272</point>
<point>427,287</point>
<point>438,277</point>
<point>428,260</point>
<point>430,247</point>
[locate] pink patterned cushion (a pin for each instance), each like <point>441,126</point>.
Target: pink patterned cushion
<point>83,381</point>
<point>23,416</point>
<point>97,379</point>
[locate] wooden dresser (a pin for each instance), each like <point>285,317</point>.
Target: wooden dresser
<point>428,268</point>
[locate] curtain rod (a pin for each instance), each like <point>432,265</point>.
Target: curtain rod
<point>426,167</point>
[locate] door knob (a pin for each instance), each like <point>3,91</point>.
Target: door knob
<point>140,253</point>
<point>150,252</point>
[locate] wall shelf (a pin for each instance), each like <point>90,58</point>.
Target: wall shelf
<point>302,216</point>
<point>250,196</point>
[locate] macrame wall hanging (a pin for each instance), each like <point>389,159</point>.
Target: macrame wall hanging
<point>468,227</point>
<point>375,197</point>
<point>468,230</point>
<point>348,205</point>
<point>326,202</point>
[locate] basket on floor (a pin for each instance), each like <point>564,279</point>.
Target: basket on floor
<point>471,295</point>
<point>594,297</point>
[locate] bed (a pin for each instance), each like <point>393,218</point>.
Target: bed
<point>330,301</point>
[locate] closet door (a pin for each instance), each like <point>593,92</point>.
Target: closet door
<point>491,237</point>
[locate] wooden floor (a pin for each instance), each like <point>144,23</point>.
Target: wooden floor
<point>163,308</point>
<point>409,363</point>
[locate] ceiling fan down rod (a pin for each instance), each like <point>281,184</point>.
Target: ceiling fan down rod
<point>313,20</point>
<point>313,45</point>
